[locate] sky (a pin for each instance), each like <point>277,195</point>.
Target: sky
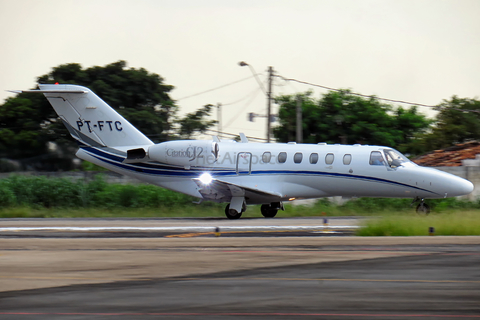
<point>421,51</point>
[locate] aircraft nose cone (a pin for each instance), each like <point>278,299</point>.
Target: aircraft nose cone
<point>460,187</point>
<point>466,187</point>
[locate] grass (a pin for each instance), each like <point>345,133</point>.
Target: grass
<point>381,223</point>
<point>448,223</point>
<point>29,212</point>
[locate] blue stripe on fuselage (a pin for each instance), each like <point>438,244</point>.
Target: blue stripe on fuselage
<point>154,166</point>
<point>166,170</point>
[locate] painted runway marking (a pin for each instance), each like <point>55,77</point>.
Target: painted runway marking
<point>190,228</point>
<point>198,234</point>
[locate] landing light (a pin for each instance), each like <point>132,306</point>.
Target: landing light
<point>206,178</point>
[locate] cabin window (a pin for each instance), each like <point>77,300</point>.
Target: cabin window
<point>329,158</point>
<point>376,159</point>
<point>297,158</point>
<point>266,157</point>
<point>314,158</point>
<point>347,159</point>
<point>282,157</point>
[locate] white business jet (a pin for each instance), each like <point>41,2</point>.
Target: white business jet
<point>243,173</point>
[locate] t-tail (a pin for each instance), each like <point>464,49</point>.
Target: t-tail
<point>90,120</point>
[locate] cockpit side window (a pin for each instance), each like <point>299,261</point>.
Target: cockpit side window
<point>376,159</point>
<point>394,158</point>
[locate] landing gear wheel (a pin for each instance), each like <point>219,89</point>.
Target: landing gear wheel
<point>268,211</point>
<point>423,209</point>
<point>232,213</point>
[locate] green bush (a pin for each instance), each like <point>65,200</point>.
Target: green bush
<point>7,196</point>
<point>41,192</point>
<point>38,192</point>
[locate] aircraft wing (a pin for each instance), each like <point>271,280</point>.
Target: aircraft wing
<point>224,190</point>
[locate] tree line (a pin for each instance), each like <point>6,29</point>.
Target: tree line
<point>343,117</point>
<point>29,126</point>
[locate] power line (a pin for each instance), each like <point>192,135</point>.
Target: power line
<point>366,96</point>
<point>215,131</point>
<point>240,100</point>
<point>254,95</point>
<point>223,86</point>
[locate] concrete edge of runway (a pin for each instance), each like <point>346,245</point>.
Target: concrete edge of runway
<point>244,242</point>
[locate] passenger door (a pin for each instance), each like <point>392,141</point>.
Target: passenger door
<point>244,163</point>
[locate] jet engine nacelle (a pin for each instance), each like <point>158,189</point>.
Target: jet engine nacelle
<point>187,153</point>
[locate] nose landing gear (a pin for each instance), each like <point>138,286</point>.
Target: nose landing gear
<point>422,207</point>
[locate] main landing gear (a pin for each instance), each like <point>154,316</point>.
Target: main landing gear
<point>268,210</point>
<point>422,207</point>
<point>232,213</point>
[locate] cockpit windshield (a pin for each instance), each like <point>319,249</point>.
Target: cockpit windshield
<point>396,159</point>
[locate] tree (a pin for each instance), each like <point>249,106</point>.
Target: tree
<point>195,122</point>
<point>341,117</point>
<point>141,97</point>
<point>28,122</point>
<point>22,127</point>
<point>458,121</point>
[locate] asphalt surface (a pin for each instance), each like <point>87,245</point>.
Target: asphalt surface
<point>422,286</point>
<point>240,278</point>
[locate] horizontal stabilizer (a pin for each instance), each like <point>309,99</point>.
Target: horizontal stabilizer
<point>47,91</point>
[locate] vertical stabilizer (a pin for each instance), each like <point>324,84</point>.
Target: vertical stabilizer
<point>89,119</point>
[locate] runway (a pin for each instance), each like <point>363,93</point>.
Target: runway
<point>205,277</point>
<point>186,227</point>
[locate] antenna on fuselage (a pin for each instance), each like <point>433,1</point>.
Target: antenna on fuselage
<point>243,138</point>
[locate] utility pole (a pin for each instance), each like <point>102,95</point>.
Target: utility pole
<point>269,102</point>
<point>219,118</point>
<point>299,120</point>
<point>268,93</point>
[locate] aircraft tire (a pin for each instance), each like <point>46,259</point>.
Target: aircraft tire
<point>423,209</point>
<point>232,213</point>
<point>267,211</point>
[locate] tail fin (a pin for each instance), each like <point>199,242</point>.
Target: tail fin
<point>89,119</point>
